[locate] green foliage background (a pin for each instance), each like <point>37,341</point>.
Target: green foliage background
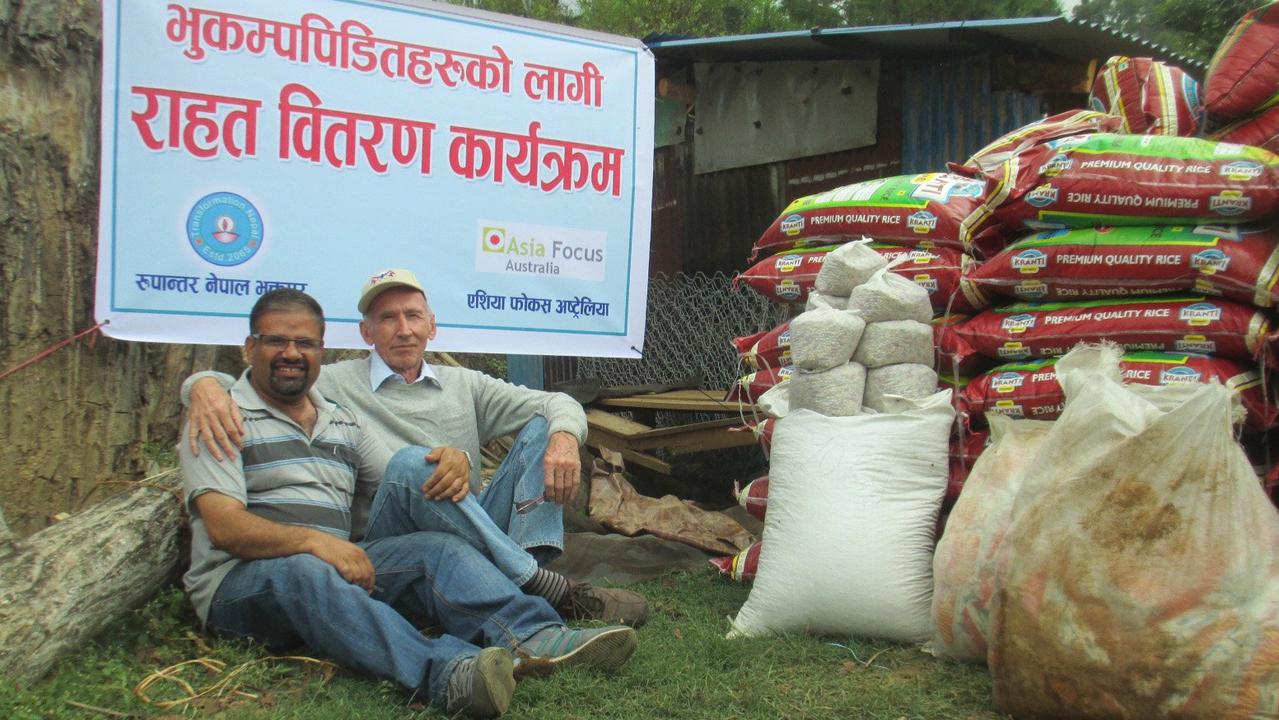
<point>1192,27</point>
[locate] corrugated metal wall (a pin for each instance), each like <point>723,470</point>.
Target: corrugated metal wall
<point>949,112</point>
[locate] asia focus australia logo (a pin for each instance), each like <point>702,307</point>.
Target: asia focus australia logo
<point>515,248</point>
<point>224,228</point>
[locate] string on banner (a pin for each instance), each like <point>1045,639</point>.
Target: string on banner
<point>54,348</point>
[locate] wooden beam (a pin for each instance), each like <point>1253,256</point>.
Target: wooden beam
<point>613,432</point>
<point>685,400</point>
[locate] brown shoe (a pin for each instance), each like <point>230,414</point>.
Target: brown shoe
<point>613,605</point>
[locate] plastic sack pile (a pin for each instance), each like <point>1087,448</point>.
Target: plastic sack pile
<point>1117,223</point>
<point>1119,562</point>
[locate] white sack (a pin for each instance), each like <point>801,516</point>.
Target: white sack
<point>836,392</point>
<point>824,338</point>
<point>894,342</point>
<point>818,300</point>
<point>775,402</point>
<point>887,296</point>
<point>848,266</point>
<point>848,538</point>
<point>908,380</point>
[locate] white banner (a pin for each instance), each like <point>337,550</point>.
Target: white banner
<point>311,143</point>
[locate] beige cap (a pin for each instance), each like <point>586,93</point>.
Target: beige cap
<point>386,280</point>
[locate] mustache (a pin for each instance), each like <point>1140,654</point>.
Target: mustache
<point>300,363</point>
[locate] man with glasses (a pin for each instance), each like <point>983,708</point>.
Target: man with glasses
<point>450,411</point>
<point>274,556</point>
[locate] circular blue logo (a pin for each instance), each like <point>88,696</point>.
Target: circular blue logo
<point>224,229</point>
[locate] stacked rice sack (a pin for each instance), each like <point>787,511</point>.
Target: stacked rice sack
<point>1242,86</point>
<point>1160,243</point>
<point>918,224</point>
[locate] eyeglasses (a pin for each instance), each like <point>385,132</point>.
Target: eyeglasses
<point>279,343</point>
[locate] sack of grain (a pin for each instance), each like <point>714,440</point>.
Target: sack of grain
<point>1169,323</point>
<point>1239,262</point>
<point>895,341</point>
<point>824,338</point>
<point>848,266</point>
<point>908,380</point>
<point>1243,75</point>
<point>767,349</point>
<point>1261,130</point>
<point>1107,179</point>
<point>937,208</point>
<point>1071,122</point>
<point>836,392</point>
<point>1149,97</point>
<point>888,296</point>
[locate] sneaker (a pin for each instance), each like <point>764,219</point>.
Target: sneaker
<point>584,601</point>
<point>481,686</point>
<point>606,648</point>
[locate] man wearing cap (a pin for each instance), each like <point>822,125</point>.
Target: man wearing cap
<point>276,553</point>
<point>440,416</point>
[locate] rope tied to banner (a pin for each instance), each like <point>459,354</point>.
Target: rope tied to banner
<point>93,332</point>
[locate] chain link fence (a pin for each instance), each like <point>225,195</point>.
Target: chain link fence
<point>691,322</point>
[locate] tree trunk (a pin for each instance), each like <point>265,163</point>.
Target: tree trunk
<point>83,414</point>
<point>63,585</point>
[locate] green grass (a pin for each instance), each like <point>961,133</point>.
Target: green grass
<point>684,669</point>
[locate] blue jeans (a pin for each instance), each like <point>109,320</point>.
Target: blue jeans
<point>515,542</point>
<point>282,601</point>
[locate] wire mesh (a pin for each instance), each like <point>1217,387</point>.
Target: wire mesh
<point>692,320</point>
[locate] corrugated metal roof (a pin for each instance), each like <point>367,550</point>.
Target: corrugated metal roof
<point>1056,35</point>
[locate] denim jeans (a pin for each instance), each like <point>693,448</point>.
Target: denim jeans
<point>282,601</point>
<point>515,542</point>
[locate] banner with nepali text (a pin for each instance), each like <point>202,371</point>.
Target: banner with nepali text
<point>314,143</point>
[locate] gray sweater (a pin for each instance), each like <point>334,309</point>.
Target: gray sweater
<point>466,409</point>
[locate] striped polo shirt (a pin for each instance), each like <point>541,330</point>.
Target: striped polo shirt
<point>325,481</point>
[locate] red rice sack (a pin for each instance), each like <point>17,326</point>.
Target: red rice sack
<point>963,455</point>
<point>933,209</point>
<point>763,431</point>
<point>767,349</point>
<point>1106,179</point>
<point>1071,122</point>
<point>1030,389</point>
<point>1243,75</point>
<point>740,567</point>
<point>1261,130</point>
<point>753,497</point>
<point>749,387</point>
<point>955,356</point>
<point>789,277</point>
<point>1149,97</point>
<point>1175,323</point>
<point>1235,261</point>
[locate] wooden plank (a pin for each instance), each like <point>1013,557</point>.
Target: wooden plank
<point>685,400</point>
<point>613,432</point>
<point>700,441</point>
<point>614,424</point>
<point>648,461</point>
<point>662,432</point>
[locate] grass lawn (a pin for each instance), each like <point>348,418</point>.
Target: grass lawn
<point>684,669</point>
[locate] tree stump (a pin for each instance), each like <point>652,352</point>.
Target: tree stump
<point>65,584</point>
